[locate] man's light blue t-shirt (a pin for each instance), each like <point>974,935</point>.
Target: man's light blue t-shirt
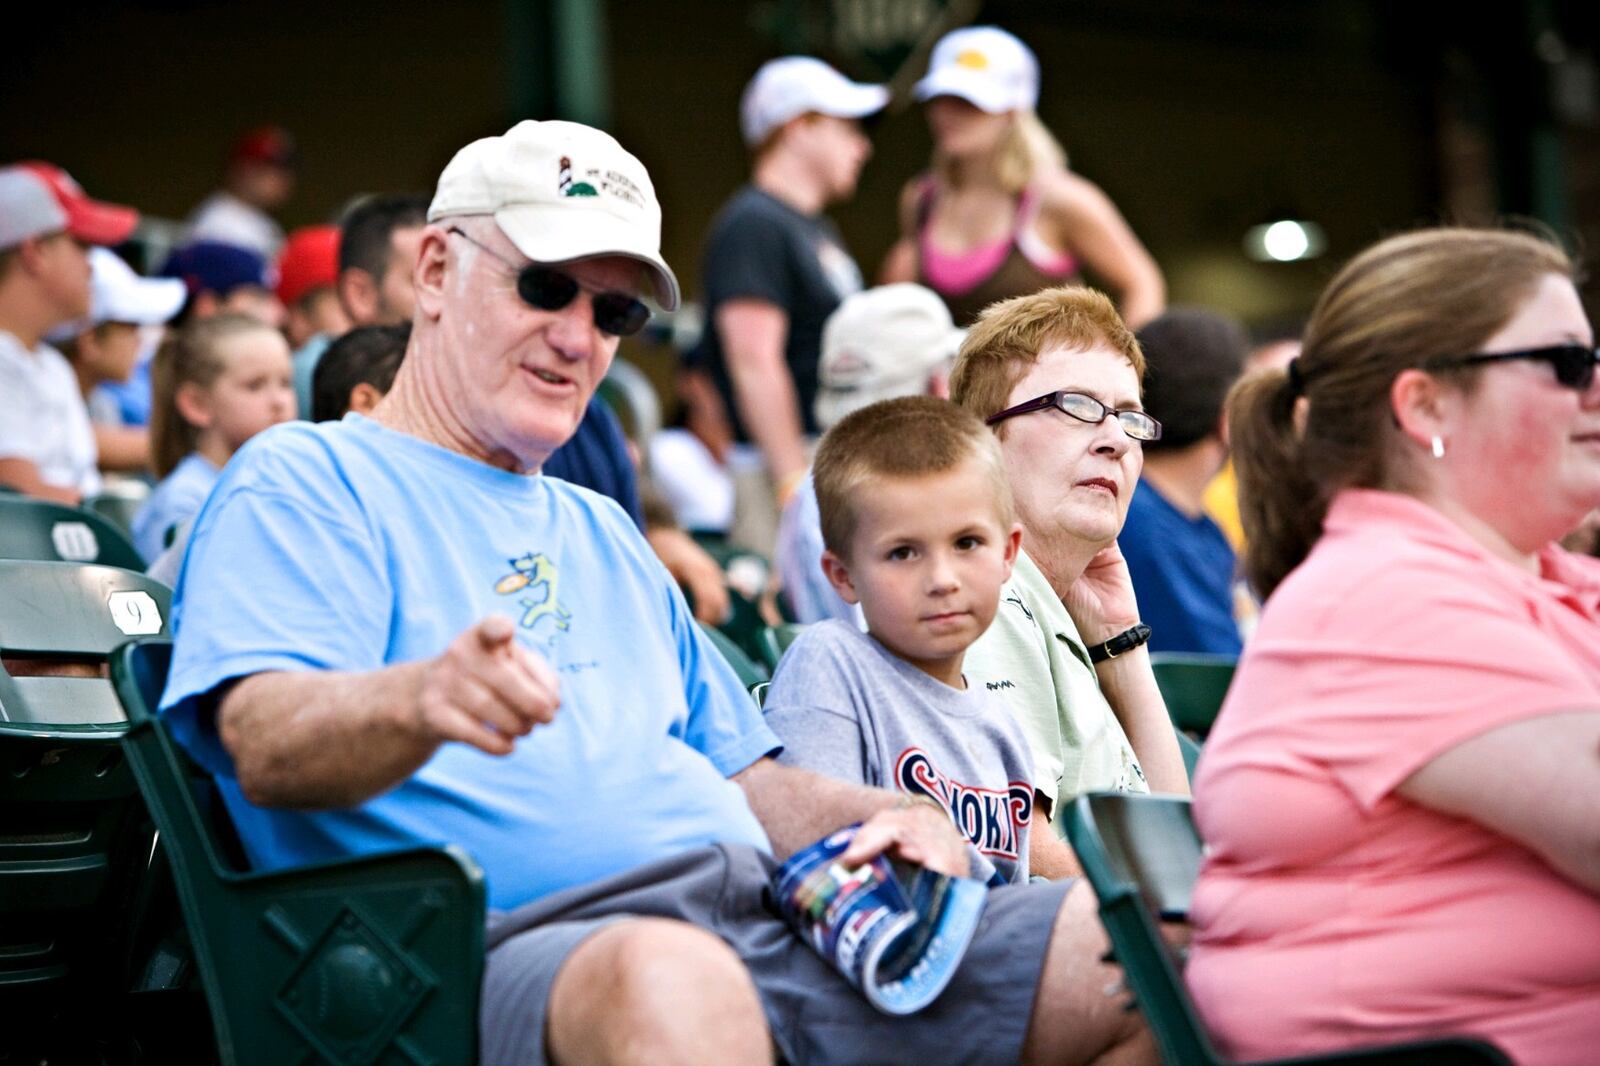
<point>177,499</point>
<point>348,546</point>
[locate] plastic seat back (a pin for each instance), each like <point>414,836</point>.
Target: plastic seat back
<point>376,959</point>
<point>1193,687</point>
<point>749,671</point>
<point>775,640</point>
<point>44,530</point>
<point>63,620</point>
<point>74,836</point>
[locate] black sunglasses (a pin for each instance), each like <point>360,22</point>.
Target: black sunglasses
<point>547,289</point>
<point>1574,364</point>
<point>1136,424</point>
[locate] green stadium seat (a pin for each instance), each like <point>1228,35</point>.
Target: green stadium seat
<point>775,640</point>
<point>749,671</point>
<point>41,529</point>
<point>73,615</point>
<point>370,960</point>
<point>74,837</point>
<point>1191,754</point>
<point>1141,855</point>
<point>1193,686</point>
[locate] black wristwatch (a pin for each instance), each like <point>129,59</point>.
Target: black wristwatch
<point>1125,641</point>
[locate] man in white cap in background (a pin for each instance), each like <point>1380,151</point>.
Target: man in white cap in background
<point>774,269</point>
<point>890,341</point>
<point>47,224</point>
<point>434,643</point>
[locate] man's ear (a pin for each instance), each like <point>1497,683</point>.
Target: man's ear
<point>364,397</point>
<point>838,574</point>
<point>428,275</point>
<point>358,295</point>
<point>191,401</point>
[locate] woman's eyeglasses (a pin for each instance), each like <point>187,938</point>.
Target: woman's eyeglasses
<point>1136,424</point>
<point>547,289</point>
<point>1574,364</point>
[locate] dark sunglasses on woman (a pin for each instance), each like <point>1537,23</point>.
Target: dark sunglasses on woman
<point>1574,363</point>
<point>548,289</point>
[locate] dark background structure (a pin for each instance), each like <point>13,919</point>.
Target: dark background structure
<point>1200,119</point>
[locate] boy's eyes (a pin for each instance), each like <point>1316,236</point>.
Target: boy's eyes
<point>899,553</point>
<point>969,542</point>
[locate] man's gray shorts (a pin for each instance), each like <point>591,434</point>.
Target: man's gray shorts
<point>815,1016</point>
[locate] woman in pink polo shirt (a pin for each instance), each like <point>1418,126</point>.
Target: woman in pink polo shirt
<point>1401,799</point>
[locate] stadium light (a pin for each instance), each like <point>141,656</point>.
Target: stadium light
<point>1285,241</point>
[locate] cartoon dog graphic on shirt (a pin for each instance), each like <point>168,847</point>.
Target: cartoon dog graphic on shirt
<point>534,574</point>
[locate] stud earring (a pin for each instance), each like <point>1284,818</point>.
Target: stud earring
<point>1438,447</point>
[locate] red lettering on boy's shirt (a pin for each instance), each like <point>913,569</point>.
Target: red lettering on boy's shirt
<point>993,820</point>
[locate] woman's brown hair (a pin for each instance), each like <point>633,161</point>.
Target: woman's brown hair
<point>191,355</point>
<point>1404,300</point>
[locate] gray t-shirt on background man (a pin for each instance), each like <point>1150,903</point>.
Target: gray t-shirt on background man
<point>848,708</point>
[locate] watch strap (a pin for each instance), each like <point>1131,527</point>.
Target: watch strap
<point>1123,642</point>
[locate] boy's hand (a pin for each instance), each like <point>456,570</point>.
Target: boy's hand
<point>1101,601</point>
<point>920,832</point>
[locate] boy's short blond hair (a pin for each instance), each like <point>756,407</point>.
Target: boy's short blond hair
<point>908,437</point>
<point>1009,336</point>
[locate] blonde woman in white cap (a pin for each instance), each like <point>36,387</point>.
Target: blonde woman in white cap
<point>999,214</point>
<point>774,268</point>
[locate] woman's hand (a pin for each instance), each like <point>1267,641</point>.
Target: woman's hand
<point>1101,601</point>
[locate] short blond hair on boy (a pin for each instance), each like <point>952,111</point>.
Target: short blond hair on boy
<point>1009,336</point>
<point>908,437</point>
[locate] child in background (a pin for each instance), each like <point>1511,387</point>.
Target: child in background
<point>918,529</point>
<point>105,347</point>
<point>217,383</point>
<point>356,371</point>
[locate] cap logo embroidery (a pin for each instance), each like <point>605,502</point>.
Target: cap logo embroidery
<point>973,59</point>
<point>567,186</point>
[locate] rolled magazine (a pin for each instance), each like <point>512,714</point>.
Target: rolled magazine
<point>896,931</point>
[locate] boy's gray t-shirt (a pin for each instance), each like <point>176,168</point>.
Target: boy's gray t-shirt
<point>848,708</point>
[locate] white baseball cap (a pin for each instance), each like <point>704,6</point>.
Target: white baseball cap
<point>785,89</point>
<point>560,191</point>
<point>118,294</point>
<point>879,344</point>
<point>985,66</point>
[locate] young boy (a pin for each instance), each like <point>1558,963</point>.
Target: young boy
<point>918,529</point>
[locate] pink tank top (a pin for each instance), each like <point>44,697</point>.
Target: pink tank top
<point>959,273</point>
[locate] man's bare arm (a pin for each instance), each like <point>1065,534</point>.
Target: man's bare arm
<point>122,447</point>
<point>753,334</point>
<point>321,739</point>
<point>1049,855</point>
<point>797,807</point>
<point>23,475</point>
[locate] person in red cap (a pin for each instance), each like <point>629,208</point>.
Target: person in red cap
<point>259,180</point>
<point>308,275</point>
<point>47,224</point>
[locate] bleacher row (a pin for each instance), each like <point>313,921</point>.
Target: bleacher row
<point>132,929</point>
